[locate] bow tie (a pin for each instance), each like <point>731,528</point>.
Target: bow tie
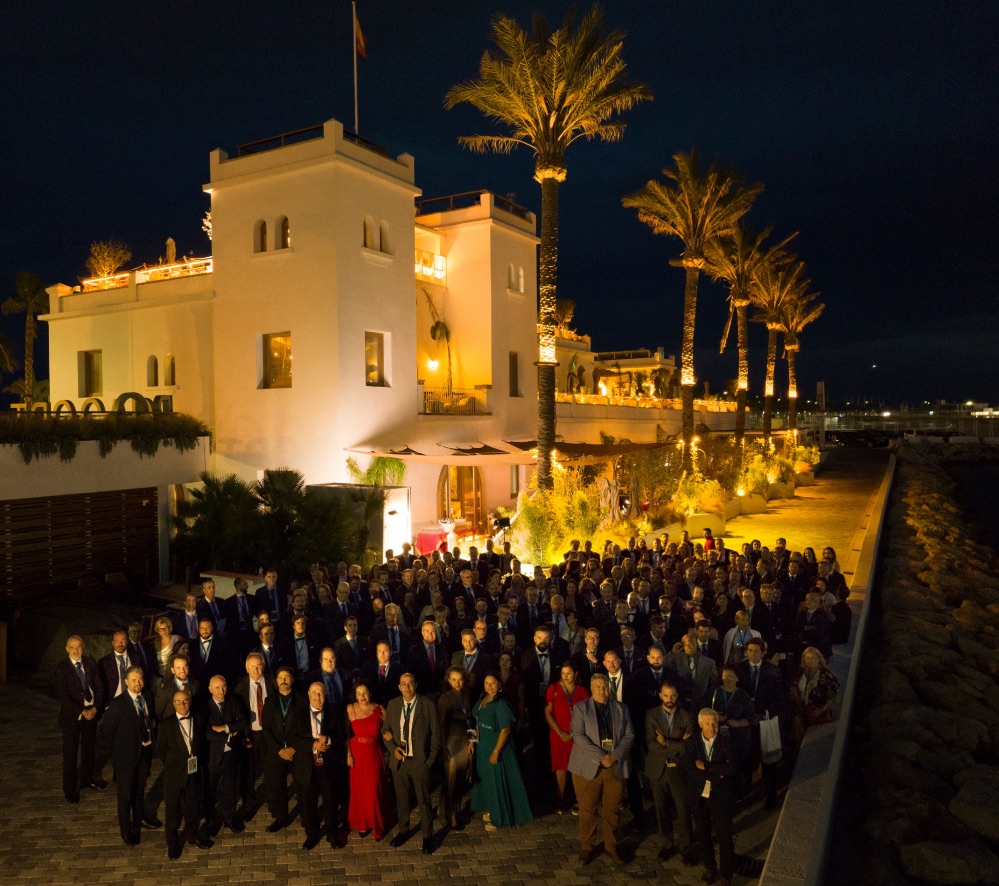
<point>188,717</point>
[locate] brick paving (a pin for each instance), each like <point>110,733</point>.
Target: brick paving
<point>45,840</point>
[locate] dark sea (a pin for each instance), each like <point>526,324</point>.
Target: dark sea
<point>978,492</point>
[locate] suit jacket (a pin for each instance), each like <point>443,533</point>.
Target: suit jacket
<point>585,669</point>
<point>182,626</point>
<point>719,770</point>
<point>274,601</point>
<point>108,674</point>
<point>217,611</point>
<point>428,680</point>
<point>346,683</point>
<point>231,715</point>
<point>121,730</point>
<point>335,619</point>
<point>218,663</point>
<point>695,688</point>
<point>289,653</point>
<point>380,634</point>
<point>249,701</point>
<point>347,657</point>
<point>172,749</point>
<point>769,697</point>
<point>282,730</point>
<point>484,663</point>
<point>584,760</point>
<point>332,726</point>
<point>530,675</point>
<point>231,612</point>
<point>667,761</point>
<point>632,664</point>
<point>425,731</point>
<point>164,697</point>
<point>273,661</point>
<point>382,690</point>
<point>526,625</point>
<point>69,690</point>
<point>144,655</point>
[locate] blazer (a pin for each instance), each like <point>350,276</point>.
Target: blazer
<point>484,663</point>
<point>347,657</point>
<point>719,770</point>
<point>232,715</point>
<point>584,760</point>
<point>164,697</point>
<point>425,731</point>
<point>172,749</point>
<point>231,612</point>
<point>182,626</point>
<point>695,688</point>
<point>428,679</point>
<point>769,697</point>
<point>333,725</point>
<point>530,675</point>
<point>281,730</point>
<point>380,634</point>
<point>669,760</point>
<point>249,702</point>
<point>107,673</point>
<point>121,730</point>
<point>382,691</point>
<point>69,690</point>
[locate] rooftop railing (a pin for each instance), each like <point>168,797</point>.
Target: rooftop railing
<point>464,200</point>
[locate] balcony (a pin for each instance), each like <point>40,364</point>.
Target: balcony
<point>189,268</point>
<point>453,401</point>
<point>431,267</point>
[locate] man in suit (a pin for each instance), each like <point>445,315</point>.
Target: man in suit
<point>428,660</point>
<point>351,651</point>
<point>475,662</point>
<point>78,689</point>
<point>239,610</point>
<point>411,732</point>
<point>667,728</point>
<point>622,691</point>
<point>794,586</point>
<point>339,611</point>
<point>225,719</point>
<point>185,623</point>
<point>600,763</point>
<point>211,607</point>
<point>301,651</point>
<point>696,675</point>
<point>180,680</point>
<point>283,744</point>
<point>322,769</point>
<point>540,667</point>
<point>142,653</point>
<point>113,667</point>
<point>126,735</point>
<point>588,660</point>
<point>273,656</point>
<point>711,779</point>
<point>381,675</point>
<point>270,598</point>
<point>813,626</point>
<point>252,692</point>
<point>209,655</point>
<point>392,631</point>
<point>762,680</point>
<point>630,655</point>
<point>180,744</point>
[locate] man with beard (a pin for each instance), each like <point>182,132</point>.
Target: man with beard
<point>667,728</point>
<point>539,668</point>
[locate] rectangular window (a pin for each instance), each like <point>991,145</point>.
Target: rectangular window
<point>374,360</point>
<point>277,360</point>
<point>514,481</point>
<point>91,373</point>
<point>514,374</point>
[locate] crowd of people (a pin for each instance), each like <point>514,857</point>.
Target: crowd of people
<point>672,673</point>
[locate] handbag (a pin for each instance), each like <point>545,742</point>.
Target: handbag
<point>770,746</point>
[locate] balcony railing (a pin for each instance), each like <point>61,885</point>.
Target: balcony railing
<point>168,272</point>
<point>454,401</point>
<point>643,402</point>
<point>431,267</point>
<point>98,284</point>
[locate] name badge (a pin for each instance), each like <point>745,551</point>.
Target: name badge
<point>707,789</point>
<point>607,745</point>
<point>192,765</point>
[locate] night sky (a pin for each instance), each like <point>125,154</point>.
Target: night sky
<point>873,125</point>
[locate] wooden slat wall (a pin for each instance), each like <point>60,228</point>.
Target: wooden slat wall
<point>50,543</point>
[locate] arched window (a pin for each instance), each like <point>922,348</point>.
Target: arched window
<point>511,277</point>
<point>369,233</point>
<point>169,371</point>
<point>383,238</point>
<point>284,233</point>
<point>520,279</point>
<point>152,371</point>
<point>260,236</point>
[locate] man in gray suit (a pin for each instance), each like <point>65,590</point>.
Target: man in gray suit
<point>602,737</point>
<point>412,736</point>
<point>697,674</point>
<point>667,728</point>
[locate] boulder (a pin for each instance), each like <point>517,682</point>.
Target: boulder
<point>977,805</point>
<point>954,864</point>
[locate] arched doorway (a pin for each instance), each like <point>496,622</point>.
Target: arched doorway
<point>459,495</point>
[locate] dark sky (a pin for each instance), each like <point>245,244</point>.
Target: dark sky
<point>873,125</point>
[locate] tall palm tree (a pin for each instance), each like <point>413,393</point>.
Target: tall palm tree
<point>696,209</point>
<point>31,300</point>
<point>8,362</point>
<point>548,89</point>
<point>736,260</point>
<point>773,291</point>
<point>797,316</point>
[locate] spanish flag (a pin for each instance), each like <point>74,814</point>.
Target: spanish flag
<point>359,37</point>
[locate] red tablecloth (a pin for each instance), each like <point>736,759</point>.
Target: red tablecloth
<point>430,540</point>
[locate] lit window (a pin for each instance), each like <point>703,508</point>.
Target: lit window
<point>284,233</point>
<point>260,236</point>
<point>374,360</point>
<point>514,374</point>
<point>170,371</point>
<point>277,360</point>
<point>152,372</point>
<point>91,373</point>
<point>514,481</point>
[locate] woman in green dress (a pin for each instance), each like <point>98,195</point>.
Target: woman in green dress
<point>499,789</point>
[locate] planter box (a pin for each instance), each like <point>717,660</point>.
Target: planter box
<point>695,525</point>
<point>804,478</point>
<point>780,490</point>
<point>733,507</point>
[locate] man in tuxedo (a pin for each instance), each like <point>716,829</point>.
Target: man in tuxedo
<point>475,662</point>
<point>79,693</point>
<point>185,623</point>
<point>600,763</point>
<point>428,661</point>
<point>126,734</point>
<point>392,631</point>
<point>179,680</point>
<point>411,732</point>
<point>763,681</point>
<point>322,768</point>
<point>711,780</point>
<point>226,720</point>
<point>283,711</point>
<point>350,650</point>
<point>252,692</point>
<point>180,744</point>
<point>381,675</point>
<point>667,729</point>
<point>113,667</point>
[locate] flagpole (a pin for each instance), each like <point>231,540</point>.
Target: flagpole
<point>353,34</point>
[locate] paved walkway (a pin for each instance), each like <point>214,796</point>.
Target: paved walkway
<point>47,841</point>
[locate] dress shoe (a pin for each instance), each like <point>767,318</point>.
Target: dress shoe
<point>237,827</point>
<point>709,876</point>
<point>311,843</point>
<point>72,798</point>
<point>98,784</point>
<point>173,854</point>
<point>152,823</point>
<point>276,825</point>
<point>400,839</point>
<point>130,839</point>
<point>615,857</point>
<point>202,843</point>
<point>586,856</point>
<point>428,846</point>
<point>666,854</point>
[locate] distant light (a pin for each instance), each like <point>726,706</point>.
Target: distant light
<point>969,403</point>
<point>886,415</point>
<point>433,364</point>
<point>874,366</point>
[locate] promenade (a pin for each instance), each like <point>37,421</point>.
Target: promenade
<point>47,841</point>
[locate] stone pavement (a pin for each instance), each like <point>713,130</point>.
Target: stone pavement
<point>44,840</point>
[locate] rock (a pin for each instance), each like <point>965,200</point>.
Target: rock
<point>981,774</point>
<point>977,805</point>
<point>955,864</point>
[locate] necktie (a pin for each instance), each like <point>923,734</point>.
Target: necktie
<point>140,706</point>
<point>182,686</point>
<point>260,702</point>
<point>121,669</point>
<point>204,649</point>
<point>335,696</point>
<point>395,642</point>
<point>381,671</point>
<point>242,612</point>
<point>756,677</point>
<point>431,658</point>
<point>613,684</point>
<point>83,680</point>
<point>343,609</point>
<point>534,614</point>
<point>407,710</point>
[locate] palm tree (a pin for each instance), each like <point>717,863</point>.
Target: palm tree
<point>697,209</point>
<point>31,300</point>
<point>219,526</point>
<point>8,362</point>
<point>773,290</point>
<point>797,316</point>
<point>548,89</point>
<point>736,260</point>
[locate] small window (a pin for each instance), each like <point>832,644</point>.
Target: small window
<point>383,238</point>
<point>514,481</point>
<point>152,372</point>
<point>260,236</point>
<point>520,279</point>
<point>374,360</point>
<point>284,233</point>
<point>91,373</point>
<point>514,374</point>
<point>277,360</point>
<point>169,371</point>
<point>511,277</point>
<point>369,233</point>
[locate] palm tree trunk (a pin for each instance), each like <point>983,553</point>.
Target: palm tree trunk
<point>742,327</point>
<point>547,274</point>
<point>792,392</point>
<point>29,358</point>
<point>687,351</point>
<point>768,400</point>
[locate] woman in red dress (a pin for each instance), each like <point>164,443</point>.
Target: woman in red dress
<point>370,806</point>
<point>562,697</point>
